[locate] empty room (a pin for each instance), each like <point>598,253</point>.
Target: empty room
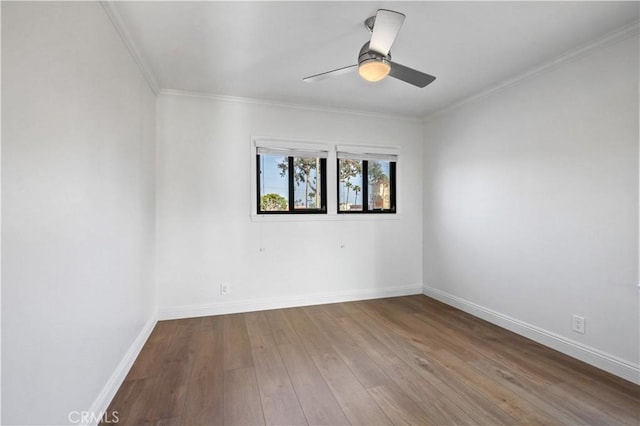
<point>291,213</point>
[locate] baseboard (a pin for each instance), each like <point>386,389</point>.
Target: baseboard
<point>607,362</point>
<point>101,403</point>
<point>233,307</point>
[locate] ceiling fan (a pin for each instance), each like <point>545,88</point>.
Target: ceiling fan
<point>374,59</point>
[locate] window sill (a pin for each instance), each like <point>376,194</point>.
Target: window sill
<point>324,217</point>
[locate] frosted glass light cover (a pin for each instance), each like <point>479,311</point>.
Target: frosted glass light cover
<point>374,70</point>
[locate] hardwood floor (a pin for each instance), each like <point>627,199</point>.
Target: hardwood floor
<point>404,360</point>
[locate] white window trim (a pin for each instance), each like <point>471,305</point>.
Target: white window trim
<point>292,145</point>
<point>368,152</point>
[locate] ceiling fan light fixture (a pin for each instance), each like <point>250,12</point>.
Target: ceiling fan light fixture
<point>374,59</point>
<point>374,69</point>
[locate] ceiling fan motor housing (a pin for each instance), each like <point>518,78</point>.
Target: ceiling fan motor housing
<point>367,55</point>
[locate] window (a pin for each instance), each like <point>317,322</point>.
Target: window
<point>366,183</point>
<point>291,180</point>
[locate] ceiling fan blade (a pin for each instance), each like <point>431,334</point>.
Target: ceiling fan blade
<point>328,74</point>
<point>410,75</point>
<point>385,29</point>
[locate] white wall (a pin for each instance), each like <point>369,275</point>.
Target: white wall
<point>531,206</point>
<point>205,235</point>
<point>77,208</point>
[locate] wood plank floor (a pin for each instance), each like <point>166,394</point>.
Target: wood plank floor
<point>404,360</point>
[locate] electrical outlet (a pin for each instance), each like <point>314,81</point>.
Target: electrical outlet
<point>579,324</point>
<point>225,288</point>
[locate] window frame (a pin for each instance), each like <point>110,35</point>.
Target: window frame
<point>329,149</point>
<point>365,186</point>
<point>291,187</point>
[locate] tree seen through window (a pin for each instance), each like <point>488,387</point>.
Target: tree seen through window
<point>291,184</point>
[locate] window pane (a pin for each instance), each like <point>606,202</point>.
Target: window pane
<point>350,185</point>
<point>379,185</point>
<point>306,179</point>
<point>274,183</point>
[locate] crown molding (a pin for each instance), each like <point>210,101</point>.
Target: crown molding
<point>117,22</point>
<point>611,37</point>
<point>619,34</point>
<point>315,108</point>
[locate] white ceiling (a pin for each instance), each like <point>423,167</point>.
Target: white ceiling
<point>262,50</point>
